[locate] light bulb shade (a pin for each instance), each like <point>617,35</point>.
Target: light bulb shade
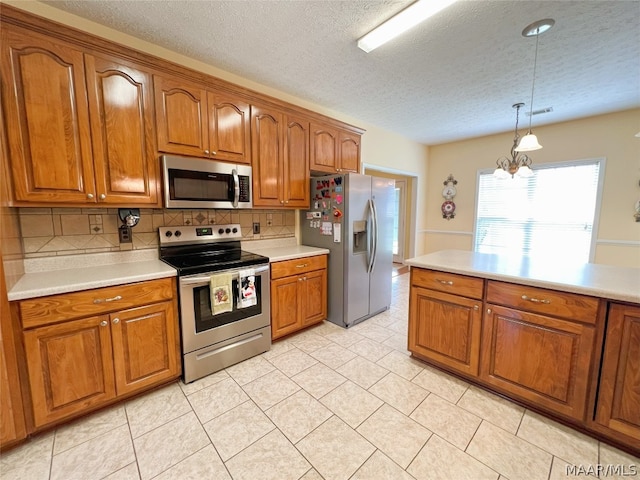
<point>528,143</point>
<point>500,173</point>
<point>524,172</point>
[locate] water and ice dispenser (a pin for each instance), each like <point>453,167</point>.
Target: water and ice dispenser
<point>359,236</point>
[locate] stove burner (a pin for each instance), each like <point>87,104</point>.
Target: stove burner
<point>203,249</point>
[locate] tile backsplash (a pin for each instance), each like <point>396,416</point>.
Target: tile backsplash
<point>49,232</point>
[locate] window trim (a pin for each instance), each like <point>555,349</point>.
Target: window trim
<point>567,163</point>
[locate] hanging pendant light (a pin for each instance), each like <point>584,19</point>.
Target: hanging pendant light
<point>519,163</point>
<point>530,142</point>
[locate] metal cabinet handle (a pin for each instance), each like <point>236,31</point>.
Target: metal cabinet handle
<point>206,152</point>
<point>112,299</point>
<point>536,300</point>
<point>286,201</point>
<point>488,310</point>
<point>302,265</point>
<point>214,153</point>
<point>90,196</point>
<point>116,320</point>
<point>476,308</point>
<point>444,282</point>
<point>102,196</point>
<point>103,323</point>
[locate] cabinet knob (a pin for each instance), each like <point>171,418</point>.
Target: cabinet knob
<point>476,308</point>
<point>206,152</point>
<point>90,196</point>
<point>102,196</point>
<point>286,201</point>
<point>281,201</point>
<point>300,279</point>
<point>488,310</point>
<point>103,323</point>
<point>116,320</point>
<point>214,153</point>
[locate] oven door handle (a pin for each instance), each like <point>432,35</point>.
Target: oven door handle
<point>194,280</point>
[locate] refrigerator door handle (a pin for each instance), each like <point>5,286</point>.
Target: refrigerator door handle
<point>373,239</point>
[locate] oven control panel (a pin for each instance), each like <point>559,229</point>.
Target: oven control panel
<point>187,234</point>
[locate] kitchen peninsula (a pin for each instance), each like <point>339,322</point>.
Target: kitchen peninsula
<point>563,339</point>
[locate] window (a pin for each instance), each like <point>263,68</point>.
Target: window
<point>551,214</point>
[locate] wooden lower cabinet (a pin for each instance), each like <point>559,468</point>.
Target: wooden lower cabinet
<point>445,319</point>
<point>80,364</point>
<point>12,424</point>
<point>618,402</point>
<point>446,329</point>
<point>538,358</point>
<point>298,299</point>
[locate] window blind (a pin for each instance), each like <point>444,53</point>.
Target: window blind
<point>550,214</point>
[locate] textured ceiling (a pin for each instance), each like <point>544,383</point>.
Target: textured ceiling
<point>454,76</point>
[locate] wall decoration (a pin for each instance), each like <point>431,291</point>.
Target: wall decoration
<point>448,192</point>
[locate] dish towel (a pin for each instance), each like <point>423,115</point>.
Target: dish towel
<point>221,298</point>
<point>247,285</point>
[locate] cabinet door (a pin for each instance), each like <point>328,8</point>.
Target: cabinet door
<point>324,148</point>
<point>445,328</point>
<point>145,346</point>
<point>285,306</point>
<point>229,128</point>
<point>121,113</point>
<point>70,368</point>
<point>313,297</point>
<point>349,152</point>
<point>618,405</point>
<point>538,358</point>
<point>267,154</point>
<point>12,425</point>
<point>47,118</point>
<point>181,117</point>
<point>296,163</point>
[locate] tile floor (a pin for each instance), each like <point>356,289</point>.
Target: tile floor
<point>327,403</point>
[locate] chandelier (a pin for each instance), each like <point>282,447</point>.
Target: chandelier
<point>519,162</point>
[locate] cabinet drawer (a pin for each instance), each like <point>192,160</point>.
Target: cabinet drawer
<point>447,282</point>
<point>298,265</point>
<point>540,300</point>
<point>56,308</point>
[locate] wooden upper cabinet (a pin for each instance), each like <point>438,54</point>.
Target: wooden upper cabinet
<point>47,119</point>
<point>193,121</point>
<point>618,403</point>
<point>181,117</point>
<point>121,114</point>
<point>280,153</point>
<point>349,152</point>
<point>267,153</point>
<point>295,182</point>
<point>324,148</point>
<point>229,128</point>
<point>334,150</point>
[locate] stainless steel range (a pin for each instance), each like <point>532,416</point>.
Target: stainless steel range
<point>224,296</point>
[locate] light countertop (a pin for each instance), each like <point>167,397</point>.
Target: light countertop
<point>55,275</point>
<point>604,281</point>
<point>290,252</point>
<point>84,272</point>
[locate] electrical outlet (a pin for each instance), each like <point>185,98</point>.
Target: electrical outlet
<point>124,234</point>
<point>256,228</point>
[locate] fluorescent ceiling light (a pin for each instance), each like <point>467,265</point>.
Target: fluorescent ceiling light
<point>403,21</point>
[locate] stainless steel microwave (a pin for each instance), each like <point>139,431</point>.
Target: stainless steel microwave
<point>195,183</point>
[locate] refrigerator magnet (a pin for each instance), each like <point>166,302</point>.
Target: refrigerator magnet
<point>337,229</point>
<point>338,198</point>
<point>337,212</point>
<point>326,228</point>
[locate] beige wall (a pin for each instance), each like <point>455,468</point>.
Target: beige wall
<point>609,136</point>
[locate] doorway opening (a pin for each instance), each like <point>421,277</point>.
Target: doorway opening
<point>404,227</point>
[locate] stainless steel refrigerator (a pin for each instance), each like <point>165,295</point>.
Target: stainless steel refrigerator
<point>352,216</point>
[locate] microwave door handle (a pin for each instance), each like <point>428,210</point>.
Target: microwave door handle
<point>236,188</point>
